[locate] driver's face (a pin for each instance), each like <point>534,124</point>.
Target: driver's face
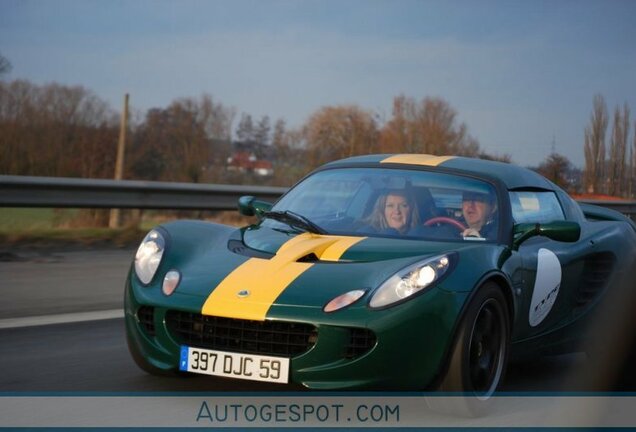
<point>476,212</point>
<point>396,211</point>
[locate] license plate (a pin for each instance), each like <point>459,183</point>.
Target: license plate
<point>226,364</point>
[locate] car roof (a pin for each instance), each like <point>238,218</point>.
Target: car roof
<point>512,176</point>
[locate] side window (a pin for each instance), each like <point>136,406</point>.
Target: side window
<point>535,207</point>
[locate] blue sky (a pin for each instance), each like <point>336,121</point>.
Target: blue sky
<point>519,73</point>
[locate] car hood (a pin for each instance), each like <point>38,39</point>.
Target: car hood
<point>270,269</point>
<point>308,270</point>
<point>343,248</point>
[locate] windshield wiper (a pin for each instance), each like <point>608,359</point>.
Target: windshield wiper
<point>295,220</point>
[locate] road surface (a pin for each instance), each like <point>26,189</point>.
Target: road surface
<point>91,355</point>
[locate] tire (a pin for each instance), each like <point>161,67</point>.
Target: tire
<point>479,354</point>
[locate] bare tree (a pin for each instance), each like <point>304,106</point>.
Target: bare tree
<point>5,65</point>
<point>261,133</point>
<point>429,126</point>
<point>291,162</point>
<point>338,132</point>
<point>278,136</point>
<point>280,143</point>
<point>55,130</point>
<point>595,147</point>
<point>175,139</point>
<point>632,167</point>
<point>618,152</point>
<point>148,160</point>
<point>399,134</point>
<point>245,129</point>
<point>558,169</point>
<point>216,118</point>
<point>177,143</point>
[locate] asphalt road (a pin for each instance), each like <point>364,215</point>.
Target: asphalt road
<point>54,282</point>
<point>92,356</point>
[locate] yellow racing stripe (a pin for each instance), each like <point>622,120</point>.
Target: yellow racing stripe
<point>417,159</point>
<point>266,279</point>
<point>338,248</point>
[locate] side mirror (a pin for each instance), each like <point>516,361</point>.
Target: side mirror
<point>250,206</point>
<point>562,231</point>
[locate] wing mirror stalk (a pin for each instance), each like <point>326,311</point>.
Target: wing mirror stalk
<point>562,231</point>
<point>250,206</point>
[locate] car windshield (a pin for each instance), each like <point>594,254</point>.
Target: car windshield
<point>387,202</point>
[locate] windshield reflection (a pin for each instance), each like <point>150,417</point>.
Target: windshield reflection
<point>394,203</point>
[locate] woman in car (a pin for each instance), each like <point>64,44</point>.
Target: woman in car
<point>394,212</point>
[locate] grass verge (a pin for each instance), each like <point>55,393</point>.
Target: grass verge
<point>35,228</point>
<point>80,237</point>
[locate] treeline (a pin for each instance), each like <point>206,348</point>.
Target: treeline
<point>610,160</point>
<point>55,130</point>
<point>62,131</point>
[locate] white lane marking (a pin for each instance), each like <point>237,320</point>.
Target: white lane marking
<point>60,318</point>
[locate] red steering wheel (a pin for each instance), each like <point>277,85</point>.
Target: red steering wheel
<point>445,220</point>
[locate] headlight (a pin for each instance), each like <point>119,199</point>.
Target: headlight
<point>411,280</point>
<point>149,255</point>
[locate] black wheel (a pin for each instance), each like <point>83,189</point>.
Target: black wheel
<point>480,351</point>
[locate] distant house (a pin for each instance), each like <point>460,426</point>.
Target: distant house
<point>248,162</point>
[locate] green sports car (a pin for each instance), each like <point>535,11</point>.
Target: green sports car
<point>409,272</point>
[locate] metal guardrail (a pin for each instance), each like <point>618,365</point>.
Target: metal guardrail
<point>628,208</point>
<point>25,191</point>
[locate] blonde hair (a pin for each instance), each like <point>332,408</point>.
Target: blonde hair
<point>377,219</point>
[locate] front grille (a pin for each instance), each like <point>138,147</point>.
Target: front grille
<point>276,338</point>
<point>360,341</point>
<point>146,317</point>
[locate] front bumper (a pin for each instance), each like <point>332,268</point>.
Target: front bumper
<point>400,348</point>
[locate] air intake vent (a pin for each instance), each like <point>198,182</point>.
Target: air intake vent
<point>238,247</point>
<point>597,270</point>
<point>360,342</point>
<point>276,338</point>
<point>308,258</point>
<point>146,318</point>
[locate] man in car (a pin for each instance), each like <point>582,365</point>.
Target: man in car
<point>479,213</point>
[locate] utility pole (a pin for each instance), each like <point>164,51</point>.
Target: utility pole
<point>119,164</point>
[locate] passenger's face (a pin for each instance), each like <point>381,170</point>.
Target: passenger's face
<point>476,212</point>
<point>396,211</point>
